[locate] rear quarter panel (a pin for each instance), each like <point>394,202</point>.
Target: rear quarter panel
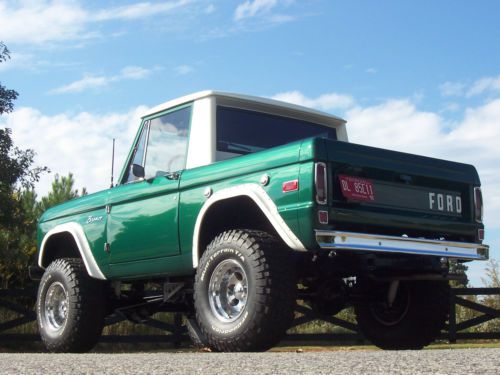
<point>281,164</point>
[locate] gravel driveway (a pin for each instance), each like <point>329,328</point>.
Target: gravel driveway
<point>456,361</point>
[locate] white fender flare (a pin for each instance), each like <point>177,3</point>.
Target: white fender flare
<point>263,201</point>
<point>78,234</point>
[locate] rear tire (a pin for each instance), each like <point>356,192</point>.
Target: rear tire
<point>244,292</point>
<point>70,307</point>
<point>414,320</point>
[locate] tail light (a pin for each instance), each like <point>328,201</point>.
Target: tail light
<point>323,217</point>
<point>480,234</point>
<point>320,180</point>
<point>478,205</point>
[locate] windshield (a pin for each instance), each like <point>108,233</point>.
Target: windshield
<point>242,132</point>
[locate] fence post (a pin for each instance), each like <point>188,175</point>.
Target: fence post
<point>452,330</point>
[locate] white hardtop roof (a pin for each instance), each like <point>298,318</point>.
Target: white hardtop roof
<point>246,98</point>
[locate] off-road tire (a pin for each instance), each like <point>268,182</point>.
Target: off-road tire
<point>426,312</point>
<point>85,306</point>
<point>270,300</point>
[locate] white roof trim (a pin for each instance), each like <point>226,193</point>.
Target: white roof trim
<point>248,98</point>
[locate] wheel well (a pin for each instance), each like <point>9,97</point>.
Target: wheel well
<point>60,245</point>
<point>234,213</point>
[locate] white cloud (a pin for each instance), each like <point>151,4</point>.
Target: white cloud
<point>138,10</point>
<point>87,82</point>
<point>280,18</point>
<point>262,13</point>
<point>92,81</point>
<point>483,85</point>
<point>183,69</point>
<point>393,124</point>
<point>253,8</point>
<point>324,102</point>
<point>28,61</point>
<point>42,21</point>
<point>210,9</point>
<point>450,107</point>
<point>134,72</point>
<point>371,71</point>
<point>480,86</point>
<point>79,143</point>
<point>16,61</point>
<point>452,88</point>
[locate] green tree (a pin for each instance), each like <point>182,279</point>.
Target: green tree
<point>15,164</point>
<point>17,198</point>
<point>16,172</point>
<point>18,240</point>
<point>492,271</point>
<point>62,191</point>
<point>492,280</point>
<point>7,96</point>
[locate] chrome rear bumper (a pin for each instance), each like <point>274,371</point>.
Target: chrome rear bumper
<point>336,240</point>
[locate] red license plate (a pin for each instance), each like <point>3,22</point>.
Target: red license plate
<point>357,189</point>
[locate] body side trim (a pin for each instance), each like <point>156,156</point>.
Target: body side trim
<point>81,242</point>
<point>263,201</point>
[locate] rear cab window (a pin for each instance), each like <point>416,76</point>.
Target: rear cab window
<point>241,131</point>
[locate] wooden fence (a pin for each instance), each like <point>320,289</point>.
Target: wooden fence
<point>175,333</point>
<point>454,330</point>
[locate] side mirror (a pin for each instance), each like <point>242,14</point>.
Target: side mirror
<point>137,171</point>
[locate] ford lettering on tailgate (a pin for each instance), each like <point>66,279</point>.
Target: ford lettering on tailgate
<point>450,203</point>
<point>357,189</point>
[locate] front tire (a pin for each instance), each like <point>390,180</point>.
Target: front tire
<point>244,292</point>
<point>70,307</point>
<point>414,319</point>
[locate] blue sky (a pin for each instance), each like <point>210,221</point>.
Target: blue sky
<point>422,77</point>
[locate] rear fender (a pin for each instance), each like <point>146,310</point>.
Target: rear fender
<point>265,204</point>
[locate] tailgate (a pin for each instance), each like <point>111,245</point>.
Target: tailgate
<point>392,193</point>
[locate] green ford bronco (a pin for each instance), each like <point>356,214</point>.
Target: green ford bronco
<point>230,207</point>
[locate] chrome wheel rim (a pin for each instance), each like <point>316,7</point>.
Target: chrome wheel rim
<point>56,306</point>
<point>228,291</point>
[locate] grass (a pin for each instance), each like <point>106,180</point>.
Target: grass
<point>313,348</point>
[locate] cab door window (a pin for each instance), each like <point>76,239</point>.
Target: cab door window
<point>162,145</point>
<point>138,154</point>
<point>168,141</point>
